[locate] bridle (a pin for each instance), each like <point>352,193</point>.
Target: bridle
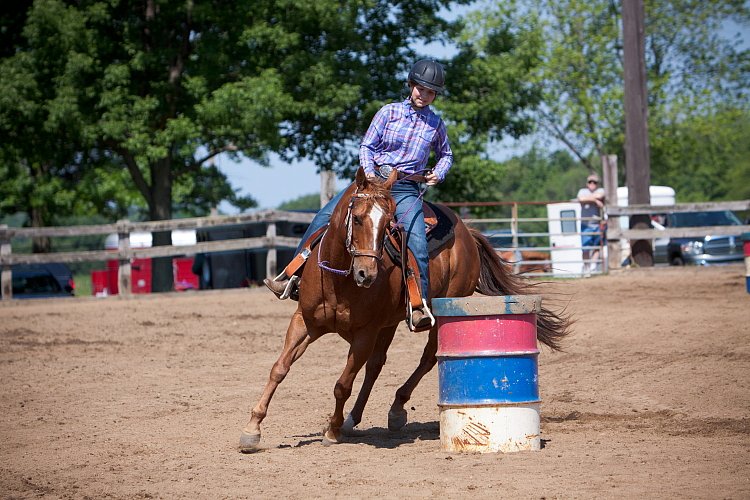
<point>377,253</point>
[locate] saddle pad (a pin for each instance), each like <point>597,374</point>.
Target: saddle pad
<point>442,232</point>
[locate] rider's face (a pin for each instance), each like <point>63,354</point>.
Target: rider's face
<point>421,96</point>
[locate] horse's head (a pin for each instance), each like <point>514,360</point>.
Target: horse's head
<point>371,210</point>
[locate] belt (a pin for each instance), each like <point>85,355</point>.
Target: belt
<point>386,171</point>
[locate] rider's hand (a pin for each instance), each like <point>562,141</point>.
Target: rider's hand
<point>432,178</point>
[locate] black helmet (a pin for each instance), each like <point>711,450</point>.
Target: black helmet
<point>428,73</point>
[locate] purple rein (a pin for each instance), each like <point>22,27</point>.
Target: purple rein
<point>325,265</point>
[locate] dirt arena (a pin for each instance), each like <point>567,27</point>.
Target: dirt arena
<point>145,398</point>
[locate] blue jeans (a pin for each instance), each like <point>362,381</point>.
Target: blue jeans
<point>408,212</point>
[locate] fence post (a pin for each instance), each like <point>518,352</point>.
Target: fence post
<point>271,256</point>
<point>327,187</point>
<point>614,247</point>
<point>6,275</point>
<point>124,274</point>
<point>514,235</point>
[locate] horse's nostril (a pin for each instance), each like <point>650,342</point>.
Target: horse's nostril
<point>361,273</point>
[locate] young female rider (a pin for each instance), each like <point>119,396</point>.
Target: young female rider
<point>401,137</point>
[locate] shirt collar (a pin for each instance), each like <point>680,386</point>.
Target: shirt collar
<point>413,113</point>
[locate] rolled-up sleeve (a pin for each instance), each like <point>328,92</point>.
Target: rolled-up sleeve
<point>443,152</point>
<point>373,137</point>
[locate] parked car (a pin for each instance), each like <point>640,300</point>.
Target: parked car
<point>703,250</point>
<point>37,281</point>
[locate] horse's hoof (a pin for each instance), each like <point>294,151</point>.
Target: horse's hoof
<point>397,419</point>
<point>329,438</point>
<point>249,443</point>
<point>347,429</point>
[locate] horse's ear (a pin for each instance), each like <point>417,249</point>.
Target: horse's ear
<point>361,179</point>
<point>391,179</point>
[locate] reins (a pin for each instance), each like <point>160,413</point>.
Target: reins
<point>375,254</point>
<point>325,265</point>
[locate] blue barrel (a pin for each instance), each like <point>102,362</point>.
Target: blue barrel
<point>488,373</point>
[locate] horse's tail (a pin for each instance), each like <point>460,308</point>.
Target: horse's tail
<point>496,278</point>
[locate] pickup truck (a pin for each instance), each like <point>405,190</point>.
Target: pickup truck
<point>699,250</point>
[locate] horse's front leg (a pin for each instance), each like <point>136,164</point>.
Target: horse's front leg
<point>372,371</point>
<point>359,352</point>
<point>397,416</point>
<point>295,343</point>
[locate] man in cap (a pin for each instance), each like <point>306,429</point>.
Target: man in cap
<point>591,199</point>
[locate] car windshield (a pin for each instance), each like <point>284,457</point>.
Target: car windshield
<point>698,219</point>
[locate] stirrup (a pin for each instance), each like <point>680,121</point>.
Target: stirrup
<point>289,290</point>
<point>428,313</point>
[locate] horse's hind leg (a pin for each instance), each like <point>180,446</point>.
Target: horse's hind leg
<point>372,371</point>
<point>295,343</point>
<point>359,352</point>
<point>397,416</point>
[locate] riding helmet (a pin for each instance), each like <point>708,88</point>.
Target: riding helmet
<point>428,73</point>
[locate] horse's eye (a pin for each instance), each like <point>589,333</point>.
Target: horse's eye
<point>357,220</point>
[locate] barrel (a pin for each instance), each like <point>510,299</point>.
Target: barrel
<point>746,252</point>
<point>488,373</point>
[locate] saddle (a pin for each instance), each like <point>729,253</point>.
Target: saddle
<point>439,226</point>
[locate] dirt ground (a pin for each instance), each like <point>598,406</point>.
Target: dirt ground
<point>146,397</point>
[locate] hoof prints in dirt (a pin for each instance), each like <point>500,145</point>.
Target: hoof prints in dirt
<point>667,422</point>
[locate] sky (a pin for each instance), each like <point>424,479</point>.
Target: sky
<point>271,186</point>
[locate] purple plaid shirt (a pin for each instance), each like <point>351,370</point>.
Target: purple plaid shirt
<point>402,137</point>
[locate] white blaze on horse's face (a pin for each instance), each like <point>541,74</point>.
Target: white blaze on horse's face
<point>376,215</point>
<point>369,219</point>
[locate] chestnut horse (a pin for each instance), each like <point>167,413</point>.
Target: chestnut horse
<point>350,287</point>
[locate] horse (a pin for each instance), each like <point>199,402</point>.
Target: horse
<point>350,287</point>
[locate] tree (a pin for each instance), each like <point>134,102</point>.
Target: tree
<point>160,88</point>
<point>690,68</point>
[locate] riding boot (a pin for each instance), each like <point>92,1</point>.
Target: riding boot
<point>284,287</point>
<point>420,319</point>
<point>277,287</point>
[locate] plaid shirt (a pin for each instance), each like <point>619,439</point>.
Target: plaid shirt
<point>402,137</point>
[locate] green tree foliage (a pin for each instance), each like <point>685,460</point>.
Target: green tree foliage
<point>159,88</point>
<point>490,91</point>
<point>691,69</point>
<point>706,157</point>
<point>309,202</point>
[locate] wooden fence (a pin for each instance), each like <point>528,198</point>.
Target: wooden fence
<point>125,252</point>
<point>271,241</point>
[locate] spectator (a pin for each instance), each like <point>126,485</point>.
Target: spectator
<point>591,199</point>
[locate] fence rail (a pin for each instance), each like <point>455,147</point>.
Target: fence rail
<point>512,227</point>
<point>125,252</point>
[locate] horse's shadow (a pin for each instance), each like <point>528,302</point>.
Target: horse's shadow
<point>381,437</point>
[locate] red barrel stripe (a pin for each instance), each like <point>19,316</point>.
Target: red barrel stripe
<point>486,335</point>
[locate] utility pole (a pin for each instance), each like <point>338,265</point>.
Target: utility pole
<point>637,157</point>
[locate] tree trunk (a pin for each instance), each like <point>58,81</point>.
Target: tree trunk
<point>160,208</point>
<point>39,244</point>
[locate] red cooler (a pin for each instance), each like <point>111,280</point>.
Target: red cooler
<point>100,283</point>
<point>184,279</point>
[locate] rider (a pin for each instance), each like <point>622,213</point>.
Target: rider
<point>401,136</point>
